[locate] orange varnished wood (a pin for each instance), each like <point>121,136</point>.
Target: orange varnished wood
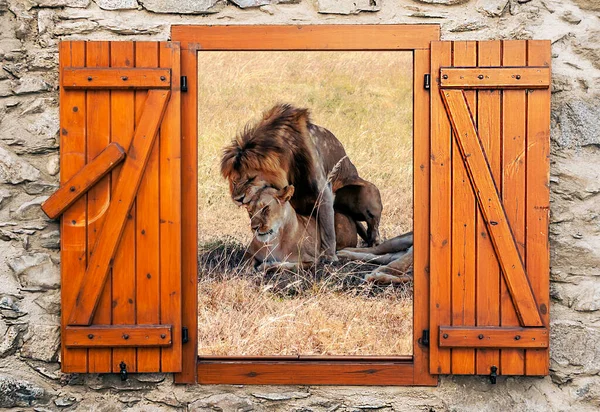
<point>305,373</point>
<point>495,77</point>
<point>440,212</point>
<point>538,199</point>
<point>117,77</point>
<point>123,269</point>
<point>318,37</point>
<point>98,199</point>
<point>110,336</point>
<point>170,211</point>
<point>73,242</point>
<point>463,231</point>
<point>492,209</point>
<point>514,111</point>
<point>493,337</point>
<point>97,273</point>
<point>79,184</point>
<point>147,227</point>
<point>488,272</point>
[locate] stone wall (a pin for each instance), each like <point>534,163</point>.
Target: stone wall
<point>29,168</point>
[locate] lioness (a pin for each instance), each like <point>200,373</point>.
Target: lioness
<point>284,148</point>
<point>284,238</point>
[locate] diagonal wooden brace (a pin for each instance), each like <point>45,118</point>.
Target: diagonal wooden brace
<point>491,207</point>
<point>125,192</point>
<point>87,177</point>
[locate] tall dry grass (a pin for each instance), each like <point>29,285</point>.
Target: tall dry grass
<point>365,99</point>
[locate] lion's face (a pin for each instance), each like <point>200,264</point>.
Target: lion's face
<point>245,185</point>
<point>267,212</point>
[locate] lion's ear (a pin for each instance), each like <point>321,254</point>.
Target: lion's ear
<point>285,194</point>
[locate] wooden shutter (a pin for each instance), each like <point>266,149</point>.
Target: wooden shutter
<point>489,265</point>
<point>120,201</point>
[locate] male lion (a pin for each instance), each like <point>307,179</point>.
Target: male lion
<point>285,239</point>
<point>284,148</point>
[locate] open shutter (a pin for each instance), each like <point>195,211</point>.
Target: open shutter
<point>120,201</point>
<point>489,265</point>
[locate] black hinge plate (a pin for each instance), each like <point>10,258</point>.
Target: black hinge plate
<point>184,87</point>
<point>427,81</point>
<point>185,335</point>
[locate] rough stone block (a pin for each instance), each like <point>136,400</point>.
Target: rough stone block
<point>35,271</point>
<point>347,7</point>
<point>182,6</point>
<point>15,170</point>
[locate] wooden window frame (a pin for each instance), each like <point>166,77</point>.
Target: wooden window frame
<point>307,370</point>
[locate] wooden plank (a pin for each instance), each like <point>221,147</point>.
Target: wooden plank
<point>440,212</point>
<point>118,336</point>
<point>493,212</point>
<point>73,243</point>
<point>129,180</point>
<point>304,373</point>
<point>538,200</point>
<point>170,211</point>
<point>463,231</point>
<point>123,270</point>
<point>116,78</point>
<point>316,37</point>
<point>83,180</point>
<point>514,111</point>
<point>189,214</point>
<point>488,272</point>
<point>147,228</point>
<point>421,65</point>
<point>98,199</point>
<point>495,78</point>
<point>493,337</point>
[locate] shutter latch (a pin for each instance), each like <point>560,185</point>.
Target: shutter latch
<point>427,81</point>
<point>123,372</point>
<point>183,84</point>
<point>185,335</point>
<point>424,339</point>
<point>493,374</point>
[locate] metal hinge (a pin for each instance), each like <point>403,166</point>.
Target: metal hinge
<point>424,339</point>
<point>185,335</point>
<point>493,374</point>
<point>183,87</point>
<point>123,371</point>
<point>427,81</point>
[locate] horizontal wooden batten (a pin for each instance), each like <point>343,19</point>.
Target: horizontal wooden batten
<point>493,337</point>
<point>305,373</point>
<point>117,78</point>
<point>83,180</point>
<point>118,336</point>
<point>495,78</point>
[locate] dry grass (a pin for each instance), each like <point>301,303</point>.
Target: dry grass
<point>365,99</point>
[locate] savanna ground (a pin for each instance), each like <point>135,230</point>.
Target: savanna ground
<point>365,99</point>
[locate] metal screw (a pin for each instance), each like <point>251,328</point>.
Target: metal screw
<point>480,77</point>
<point>72,188</point>
<point>445,76</point>
<point>162,336</point>
<point>518,337</point>
<point>125,336</point>
<point>518,76</point>
<point>90,78</point>
<point>124,78</point>
<point>163,78</point>
<point>90,336</point>
<point>445,336</point>
<point>480,336</point>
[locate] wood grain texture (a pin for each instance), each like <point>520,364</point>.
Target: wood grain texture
<point>98,199</point>
<point>129,179</point>
<point>117,77</point>
<point>514,112</point>
<point>118,336</point>
<point>83,180</point>
<point>495,77</point>
<point>170,210</point>
<point>319,37</point>
<point>122,123</point>
<point>493,337</point>
<point>538,199</point>
<point>463,230</point>
<point>488,272</point>
<point>492,209</point>
<point>440,212</point>
<point>305,373</point>
<point>73,239</point>
<point>147,227</point>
